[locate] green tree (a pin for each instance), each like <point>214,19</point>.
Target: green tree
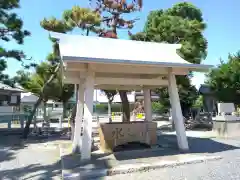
<point>36,83</point>
<point>183,24</point>
<point>199,102</point>
<point>84,20</point>
<point>63,92</point>
<point>90,21</point>
<point>10,30</point>
<point>33,82</point>
<point>224,80</point>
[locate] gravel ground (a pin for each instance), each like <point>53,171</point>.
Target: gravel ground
<point>226,169</point>
<point>33,162</point>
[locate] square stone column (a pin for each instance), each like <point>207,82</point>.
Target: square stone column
<point>177,112</point>
<point>88,117</point>
<point>77,141</point>
<point>147,104</point>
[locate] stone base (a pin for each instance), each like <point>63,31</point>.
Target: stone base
<point>226,128</point>
<point>118,133</point>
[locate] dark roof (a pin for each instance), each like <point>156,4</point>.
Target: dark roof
<point>9,88</point>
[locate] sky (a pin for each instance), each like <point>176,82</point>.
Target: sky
<point>221,17</point>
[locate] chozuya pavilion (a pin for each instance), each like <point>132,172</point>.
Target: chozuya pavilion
<point>104,63</point>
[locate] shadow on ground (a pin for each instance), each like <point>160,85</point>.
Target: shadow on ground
<point>33,172</point>
<point>197,145</point>
<point>167,146</point>
<point>165,128</point>
<point>10,148</point>
<point>10,144</point>
<point>169,128</point>
<point>167,149</point>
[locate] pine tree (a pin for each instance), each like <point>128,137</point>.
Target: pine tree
<point>112,13</point>
<point>11,29</point>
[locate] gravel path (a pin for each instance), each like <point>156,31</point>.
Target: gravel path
<point>226,169</point>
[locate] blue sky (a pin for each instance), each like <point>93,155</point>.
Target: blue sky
<point>221,17</point>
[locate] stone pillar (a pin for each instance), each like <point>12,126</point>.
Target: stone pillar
<point>77,141</point>
<point>88,117</point>
<point>147,104</point>
<point>9,124</point>
<point>177,113</point>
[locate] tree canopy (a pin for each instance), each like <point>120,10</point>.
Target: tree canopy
<point>183,24</point>
<point>225,79</point>
<point>104,19</point>
<point>11,30</point>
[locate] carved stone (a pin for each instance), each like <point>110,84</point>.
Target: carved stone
<point>118,133</point>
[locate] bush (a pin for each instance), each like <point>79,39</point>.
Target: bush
<point>117,107</point>
<point>157,107</point>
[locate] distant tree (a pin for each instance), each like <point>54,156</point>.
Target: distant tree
<point>34,82</point>
<point>183,24</point>
<point>187,93</point>
<point>63,92</point>
<point>199,102</point>
<point>224,80</point>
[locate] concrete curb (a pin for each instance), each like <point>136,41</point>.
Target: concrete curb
<point>131,168</point>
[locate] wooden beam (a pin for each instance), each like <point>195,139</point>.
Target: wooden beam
<point>122,87</point>
<point>116,68</point>
<point>130,81</point>
<point>123,69</point>
<point>133,76</point>
<point>76,66</point>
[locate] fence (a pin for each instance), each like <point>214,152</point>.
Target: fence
<point>13,119</point>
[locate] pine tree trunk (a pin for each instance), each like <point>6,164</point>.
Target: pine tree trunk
<point>125,106</point>
<point>123,94</point>
<point>64,110</point>
<point>30,118</point>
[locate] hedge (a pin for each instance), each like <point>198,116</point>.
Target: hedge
<point>103,107</point>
